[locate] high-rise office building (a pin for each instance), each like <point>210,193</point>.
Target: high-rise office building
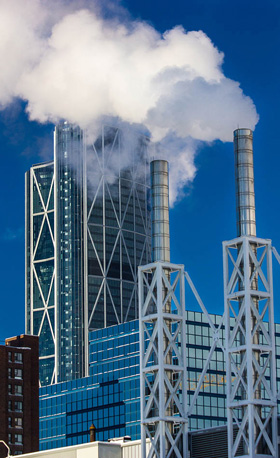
<point>87,231</point>
<point>19,395</point>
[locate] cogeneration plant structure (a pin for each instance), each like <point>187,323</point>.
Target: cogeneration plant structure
<point>249,323</point>
<point>242,342</point>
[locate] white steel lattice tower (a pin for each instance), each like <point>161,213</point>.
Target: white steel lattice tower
<point>162,336</point>
<point>249,321</point>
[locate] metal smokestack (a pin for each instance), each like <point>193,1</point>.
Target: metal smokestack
<point>160,211</point>
<point>244,182</point>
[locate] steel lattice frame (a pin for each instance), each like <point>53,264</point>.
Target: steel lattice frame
<point>250,347</point>
<point>163,360</point>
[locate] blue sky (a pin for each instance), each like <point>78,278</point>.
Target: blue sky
<point>248,35</point>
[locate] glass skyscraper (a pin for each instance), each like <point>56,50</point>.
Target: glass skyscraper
<point>87,230</point>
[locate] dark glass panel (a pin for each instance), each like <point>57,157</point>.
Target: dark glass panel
<point>45,248</point>
<point>46,343</point>
<point>96,215</point>
<point>37,298</point>
<point>114,267</point>
<point>96,233</point>
<point>110,312</point>
<point>51,221</point>
<point>51,201</point>
<point>37,203</point>
<point>110,240</point>
<point>129,312</point>
<point>46,367</point>
<point>37,223</point>
<point>44,176</point>
<point>114,288</point>
<point>37,319</point>
<point>44,272</point>
<point>110,215</point>
<point>126,269</point>
<point>51,315</point>
<point>94,284</point>
<point>93,264</point>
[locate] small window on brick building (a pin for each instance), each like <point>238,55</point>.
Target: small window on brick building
<point>10,373</point>
<point>9,438</point>
<point>18,406</point>
<point>18,373</point>
<point>10,389</point>
<point>10,405</point>
<point>18,422</point>
<point>10,424</point>
<point>18,389</point>
<point>18,357</point>
<point>18,438</point>
<point>10,356</point>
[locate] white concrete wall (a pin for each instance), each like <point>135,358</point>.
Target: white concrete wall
<point>93,450</point>
<point>90,450</point>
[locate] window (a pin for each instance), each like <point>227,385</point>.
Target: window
<point>10,405</point>
<point>18,389</point>
<point>10,422</point>
<point>18,373</point>
<point>18,422</point>
<point>18,406</point>
<point>9,438</point>
<point>18,438</point>
<point>10,356</point>
<point>18,357</point>
<point>10,389</point>
<point>10,372</point>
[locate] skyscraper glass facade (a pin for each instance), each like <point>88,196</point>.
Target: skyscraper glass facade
<point>110,396</point>
<point>87,230</point>
<point>69,259</point>
<point>118,225</point>
<point>40,264</point>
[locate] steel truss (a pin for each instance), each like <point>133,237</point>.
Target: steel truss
<point>152,331</point>
<point>163,360</point>
<point>250,348</point>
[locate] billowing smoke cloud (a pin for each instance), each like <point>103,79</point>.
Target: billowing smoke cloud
<point>71,63</point>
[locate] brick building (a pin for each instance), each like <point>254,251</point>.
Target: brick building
<point>19,395</point>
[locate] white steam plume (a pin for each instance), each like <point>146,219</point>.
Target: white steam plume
<point>73,64</point>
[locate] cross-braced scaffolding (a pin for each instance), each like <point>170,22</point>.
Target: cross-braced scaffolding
<point>250,347</point>
<point>163,360</point>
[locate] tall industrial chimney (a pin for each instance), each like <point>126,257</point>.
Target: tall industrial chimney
<point>249,323</point>
<point>162,335</point>
<point>160,211</point>
<point>244,182</point>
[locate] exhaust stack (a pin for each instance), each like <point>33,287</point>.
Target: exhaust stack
<point>244,182</point>
<point>160,211</point>
<point>248,292</point>
<point>162,334</point>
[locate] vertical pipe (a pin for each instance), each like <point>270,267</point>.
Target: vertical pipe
<point>160,211</point>
<point>244,182</point>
